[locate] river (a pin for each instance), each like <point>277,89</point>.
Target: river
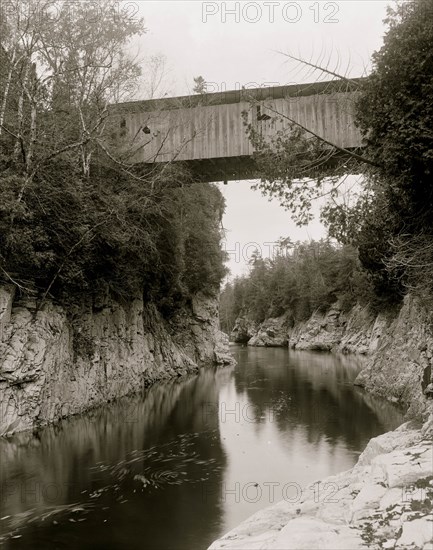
<point>185,461</point>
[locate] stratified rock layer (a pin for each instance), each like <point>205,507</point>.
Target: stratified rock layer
<point>56,362</point>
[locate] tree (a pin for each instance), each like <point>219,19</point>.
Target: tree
<point>227,308</point>
<point>67,68</point>
<point>155,77</point>
<point>395,114</point>
<point>390,220</point>
<point>74,215</point>
<point>310,277</point>
<point>295,169</point>
<point>199,85</point>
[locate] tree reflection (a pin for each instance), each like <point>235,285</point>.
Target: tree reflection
<point>315,391</point>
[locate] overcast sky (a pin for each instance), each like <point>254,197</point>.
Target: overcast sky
<point>232,44</point>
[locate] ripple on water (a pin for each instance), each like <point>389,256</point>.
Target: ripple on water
<point>172,463</point>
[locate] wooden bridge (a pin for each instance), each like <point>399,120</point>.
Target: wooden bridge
<point>207,131</point>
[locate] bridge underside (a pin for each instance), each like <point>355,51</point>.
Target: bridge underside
<point>245,167</point>
<point>223,169</point>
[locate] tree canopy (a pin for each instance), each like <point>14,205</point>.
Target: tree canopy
<point>390,219</point>
<point>299,280</point>
<point>74,214</point>
<point>395,114</point>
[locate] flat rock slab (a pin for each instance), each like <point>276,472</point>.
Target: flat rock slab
<point>401,468</point>
<point>312,534</point>
<point>416,533</point>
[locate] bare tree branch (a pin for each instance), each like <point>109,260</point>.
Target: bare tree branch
<point>318,67</point>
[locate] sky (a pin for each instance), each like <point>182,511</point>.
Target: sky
<point>236,43</point>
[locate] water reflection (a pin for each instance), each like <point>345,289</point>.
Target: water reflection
<point>316,391</point>
<point>187,460</point>
<point>128,475</point>
<point>300,419</point>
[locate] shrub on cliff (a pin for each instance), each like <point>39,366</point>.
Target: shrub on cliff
<point>68,235</point>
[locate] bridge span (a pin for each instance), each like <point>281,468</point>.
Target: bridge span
<point>208,133</point>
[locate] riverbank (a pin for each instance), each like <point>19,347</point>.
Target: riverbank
<point>398,345</point>
<point>59,361</point>
<point>384,502</point>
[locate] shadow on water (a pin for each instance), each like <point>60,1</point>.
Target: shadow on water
<point>154,470</point>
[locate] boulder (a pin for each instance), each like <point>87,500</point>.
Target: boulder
<point>272,333</point>
<point>416,533</point>
<point>322,332</point>
<point>243,330</point>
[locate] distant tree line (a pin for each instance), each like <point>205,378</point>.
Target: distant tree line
<point>304,278</point>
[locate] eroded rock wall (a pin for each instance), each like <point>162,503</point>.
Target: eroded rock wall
<point>243,330</point>
<point>400,369</point>
<point>398,345</point>
<point>56,362</point>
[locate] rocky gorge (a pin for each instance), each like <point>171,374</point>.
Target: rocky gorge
<point>57,361</point>
<point>385,500</point>
<point>397,344</point>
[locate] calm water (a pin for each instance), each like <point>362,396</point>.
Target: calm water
<point>186,461</point>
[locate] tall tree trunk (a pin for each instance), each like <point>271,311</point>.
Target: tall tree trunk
<point>86,162</point>
<point>6,92</point>
<point>32,140</point>
<point>19,149</point>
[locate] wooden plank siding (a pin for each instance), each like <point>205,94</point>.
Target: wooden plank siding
<point>198,128</point>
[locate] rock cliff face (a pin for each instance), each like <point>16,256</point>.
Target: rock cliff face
<point>273,332</point>
<point>56,362</point>
<point>383,502</point>
<point>398,344</point>
<point>243,330</point>
<point>400,368</point>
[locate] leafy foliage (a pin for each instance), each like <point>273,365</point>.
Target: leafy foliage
<point>75,215</point>
<point>61,67</point>
<point>395,114</point>
<point>390,222</point>
<point>295,167</point>
<point>199,85</point>
<point>70,235</point>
